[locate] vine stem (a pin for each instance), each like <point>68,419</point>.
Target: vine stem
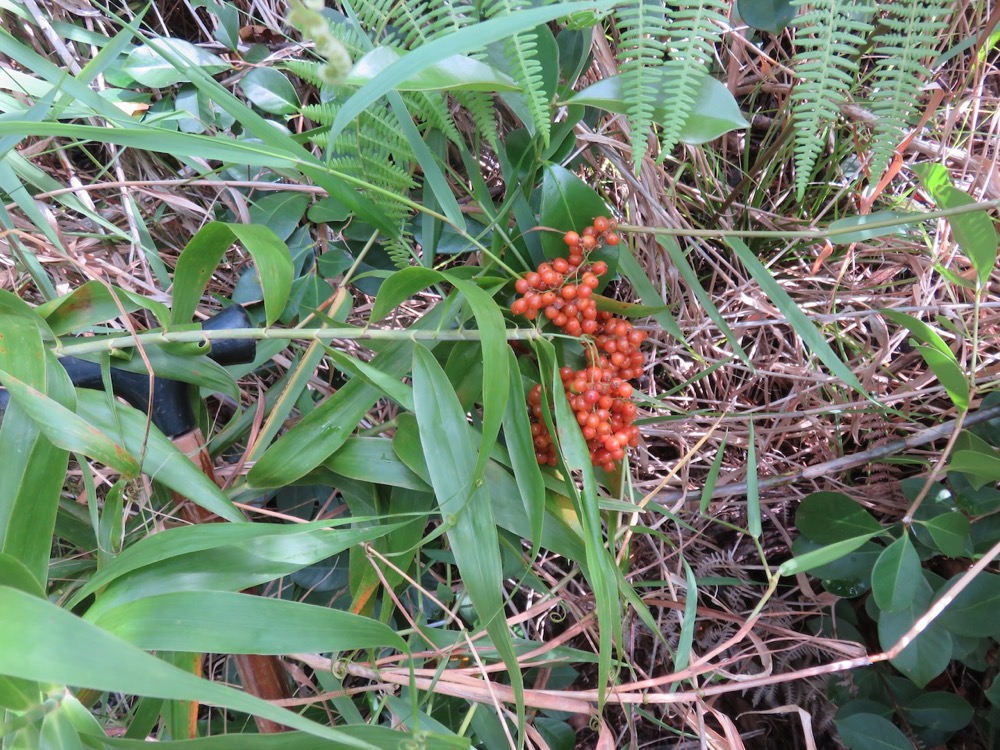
<point>97,345</point>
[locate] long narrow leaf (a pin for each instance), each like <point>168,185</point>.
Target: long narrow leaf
<point>45,643</point>
<point>451,460</point>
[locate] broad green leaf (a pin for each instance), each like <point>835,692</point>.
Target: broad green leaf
<point>201,256</point>
<point>823,556</point>
<point>399,392</point>
<point>268,89</point>
<point>840,233</point>
<point>457,72</point>
<point>796,318</point>
<point>897,575</point>
<point>950,532</point>
<point>829,517</point>
<point>372,459</point>
<point>33,467</point>
<point>234,623</point>
<point>568,203</point>
<point>974,231</point>
<point>715,111</point>
<point>86,305</point>
<point>58,732</point>
<point>979,467</point>
<point>930,652</point>
<point>161,460</point>
<point>508,503</point>
<point>148,67</point>
<point>871,732</point>
<point>767,15</point>
<point>281,212</point>
<point>940,711</point>
<point>973,613</point>
<point>464,501</point>
<point>45,643</point>
<point>66,430</point>
<point>492,328</point>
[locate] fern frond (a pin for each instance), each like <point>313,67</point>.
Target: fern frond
<point>829,37</point>
<point>642,45</point>
<point>521,52</point>
<point>695,27</point>
<point>433,109</point>
<point>416,22</point>
<point>908,38</point>
<point>400,250</point>
<point>480,108</point>
<point>373,149</point>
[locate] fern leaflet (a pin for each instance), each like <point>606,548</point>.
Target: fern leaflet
<point>909,36</point>
<point>641,48</point>
<point>694,28</point>
<point>829,37</point>
<point>521,53</point>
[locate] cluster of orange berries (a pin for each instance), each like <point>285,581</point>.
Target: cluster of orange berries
<point>600,393</point>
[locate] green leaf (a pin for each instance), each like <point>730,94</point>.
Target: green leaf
<point>66,430</point>
<point>871,732</point>
<point>570,203</point>
<point>465,503</point>
<point>281,212</point>
<point>86,305</point>
<point>45,643</point>
<point>492,328</point>
<point>468,39</point>
<point>973,613</point>
<point>930,652</point>
<point>896,575</point>
<point>631,269</point>
<point>823,556</point>
<point>980,468</point>
<point>974,231</point>
<point>921,331</point>
<point>939,711</point>
<point>370,459</point>
<point>575,456</point>
<point>160,458</point>
<point>234,623</point>
<point>839,236</point>
<point>201,256</point>
<point>271,91</point>
<point>950,532</point>
<point>456,72</point>
<point>771,16</point>
<point>517,434</point>
<point>218,557</point>
<point>938,357</point>
<point>148,67</point>
<point>33,468</point>
<point>796,318</point>
<point>715,110</point>
<point>829,517</point>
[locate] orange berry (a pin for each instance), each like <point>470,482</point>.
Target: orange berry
<point>601,224</point>
<point>611,238</point>
<point>571,238</point>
